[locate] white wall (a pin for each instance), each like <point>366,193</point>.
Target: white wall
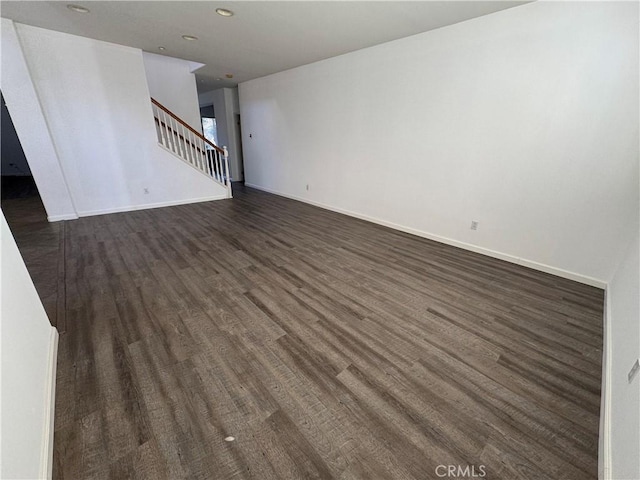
<point>623,317</point>
<point>172,83</point>
<point>28,355</point>
<point>95,99</point>
<point>525,120</point>
<point>225,105</point>
<point>31,126</point>
<point>235,151</point>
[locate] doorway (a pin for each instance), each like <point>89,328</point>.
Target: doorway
<point>27,219</point>
<point>17,180</point>
<point>238,133</point>
<point>209,124</point>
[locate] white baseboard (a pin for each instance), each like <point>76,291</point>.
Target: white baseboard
<point>449,241</point>
<point>131,208</point>
<point>46,458</point>
<point>66,216</point>
<point>604,441</point>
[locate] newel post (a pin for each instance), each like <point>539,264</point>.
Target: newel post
<point>227,172</point>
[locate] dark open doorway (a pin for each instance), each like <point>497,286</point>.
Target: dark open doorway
<point>17,181</point>
<point>40,242</point>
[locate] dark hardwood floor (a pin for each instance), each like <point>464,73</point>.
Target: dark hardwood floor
<point>328,347</point>
<point>40,242</point>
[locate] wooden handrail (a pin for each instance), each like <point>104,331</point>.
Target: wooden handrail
<point>184,124</point>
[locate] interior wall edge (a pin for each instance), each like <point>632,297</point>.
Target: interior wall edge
<point>46,462</point>
<point>604,443</point>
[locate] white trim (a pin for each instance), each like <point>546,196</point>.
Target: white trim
<point>594,282</point>
<point>64,216</point>
<point>46,458</point>
<point>131,208</point>
<point>604,445</point>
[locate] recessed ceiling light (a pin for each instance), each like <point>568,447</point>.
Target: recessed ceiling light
<point>229,75</point>
<point>190,38</point>
<point>77,8</point>
<point>224,12</point>
<point>162,49</point>
<point>218,79</point>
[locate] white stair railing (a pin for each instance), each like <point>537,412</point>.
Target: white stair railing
<point>182,140</point>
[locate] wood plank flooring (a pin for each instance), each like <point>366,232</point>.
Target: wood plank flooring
<point>328,347</point>
<point>41,246</point>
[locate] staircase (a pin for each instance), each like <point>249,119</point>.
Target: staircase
<point>175,135</point>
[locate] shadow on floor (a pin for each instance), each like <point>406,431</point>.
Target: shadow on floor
<point>39,242</point>
<point>18,187</point>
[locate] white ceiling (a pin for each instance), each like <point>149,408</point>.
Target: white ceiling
<point>263,37</point>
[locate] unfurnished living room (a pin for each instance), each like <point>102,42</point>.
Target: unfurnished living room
<point>340,240</point>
